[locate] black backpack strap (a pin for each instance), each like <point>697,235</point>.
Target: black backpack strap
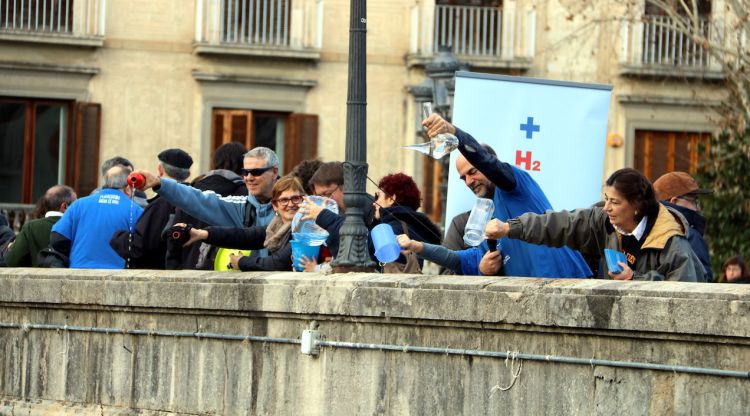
<point>250,215</point>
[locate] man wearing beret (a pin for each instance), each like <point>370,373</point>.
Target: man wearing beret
<point>147,249</point>
<point>261,171</point>
<point>680,191</point>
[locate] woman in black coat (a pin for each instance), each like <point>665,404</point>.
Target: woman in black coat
<point>396,204</point>
<point>271,248</point>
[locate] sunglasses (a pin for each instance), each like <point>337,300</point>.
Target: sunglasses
<point>328,194</point>
<point>296,200</point>
<point>256,171</point>
<point>692,199</point>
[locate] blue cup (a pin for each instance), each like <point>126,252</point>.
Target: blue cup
<point>387,249</point>
<point>300,249</point>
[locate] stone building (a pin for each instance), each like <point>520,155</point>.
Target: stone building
<point>83,80</point>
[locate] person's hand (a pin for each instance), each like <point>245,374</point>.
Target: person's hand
<point>408,244</point>
<point>625,274</point>
<point>491,263</point>
<point>496,229</point>
<point>151,179</point>
<point>310,210</point>
<point>435,124</point>
<point>308,265</point>
<point>196,234</point>
<point>234,260</point>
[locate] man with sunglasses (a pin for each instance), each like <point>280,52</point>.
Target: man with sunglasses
<point>260,171</point>
<point>680,191</point>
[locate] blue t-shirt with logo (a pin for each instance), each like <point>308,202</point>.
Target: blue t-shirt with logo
<point>90,223</point>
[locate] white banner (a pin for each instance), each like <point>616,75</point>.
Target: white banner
<point>554,130</point>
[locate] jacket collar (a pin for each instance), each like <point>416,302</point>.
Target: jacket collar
<point>669,223</point>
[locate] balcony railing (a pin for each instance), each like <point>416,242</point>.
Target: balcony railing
<point>475,31</point>
<point>657,44</point>
<point>496,37</point>
<point>17,214</point>
<point>273,25</point>
<point>665,44</point>
<point>67,18</point>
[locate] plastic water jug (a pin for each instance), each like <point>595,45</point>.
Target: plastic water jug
<point>307,232</point>
<point>478,219</point>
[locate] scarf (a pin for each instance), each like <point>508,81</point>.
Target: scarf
<point>277,234</point>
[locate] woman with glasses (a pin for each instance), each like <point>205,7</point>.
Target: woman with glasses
<point>288,193</point>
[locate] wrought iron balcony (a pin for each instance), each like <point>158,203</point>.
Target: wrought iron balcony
<point>280,28</point>
<point>656,45</point>
<point>483,36</point>
<point>70,22</point>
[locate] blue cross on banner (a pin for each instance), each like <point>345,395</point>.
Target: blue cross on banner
<point>567,161</point>
<point>530,127</point>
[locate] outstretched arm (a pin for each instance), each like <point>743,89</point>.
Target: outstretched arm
<point>499,173</point>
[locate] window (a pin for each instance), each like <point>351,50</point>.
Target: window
<point>37,15</point>
<point>40,146</point>
<point>293,136</point>
<point>470,27</point>
<point>664,43</point>
<point>255,22</point>
<point>659,152</point>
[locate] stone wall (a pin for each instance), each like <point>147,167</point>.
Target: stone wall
<point>153,363</point>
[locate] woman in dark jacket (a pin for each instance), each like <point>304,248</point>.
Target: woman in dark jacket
<point>396,204</point>
<point>224,178</point>
<point>270,245</point>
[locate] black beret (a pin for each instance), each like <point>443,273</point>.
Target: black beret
<point>177,158</point>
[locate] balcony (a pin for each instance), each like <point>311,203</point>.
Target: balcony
<point>485,37</point>
<point>263,28</point>
<point>60,22</point>
<point>657,47</point>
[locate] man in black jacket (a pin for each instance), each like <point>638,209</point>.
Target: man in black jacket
<point>147,249</point>
<point>680,191</point>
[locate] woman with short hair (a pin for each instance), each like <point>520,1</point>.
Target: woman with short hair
<point>288,193</point>
<point>396,204</point>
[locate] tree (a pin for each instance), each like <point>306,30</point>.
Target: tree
<point>726,44</point>
<point>723,35</point>
<point>728,208</point>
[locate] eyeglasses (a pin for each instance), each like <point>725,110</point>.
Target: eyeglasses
<point>692,199</point>
<point>296,200</point>
<point>328,194</point>
<point>256,172</point>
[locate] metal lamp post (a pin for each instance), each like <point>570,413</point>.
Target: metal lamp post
<point>442,72</point>
<point>353,254</point>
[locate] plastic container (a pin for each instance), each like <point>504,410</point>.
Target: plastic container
<point>384,240</point>
<point>478,219</point>
<point>307,231</point>
<point>136,180</point>
<point>222,258</point>
<point>300,249</point>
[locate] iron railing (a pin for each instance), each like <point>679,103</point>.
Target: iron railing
<point>58,17</point>
<point>245,22</point>
<point>470,30</point>
<point>666,44</point>
<point>17,214</point>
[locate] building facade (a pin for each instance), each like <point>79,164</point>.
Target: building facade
<point>84,80</point>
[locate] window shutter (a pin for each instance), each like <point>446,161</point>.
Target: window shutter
<point>300,139</point>
<point>83,153</point>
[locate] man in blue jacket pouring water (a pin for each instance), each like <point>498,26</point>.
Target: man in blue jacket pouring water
<point>515,193</point>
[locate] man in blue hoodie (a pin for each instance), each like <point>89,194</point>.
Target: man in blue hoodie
<point>261,170</point>
<point>515,193</point>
